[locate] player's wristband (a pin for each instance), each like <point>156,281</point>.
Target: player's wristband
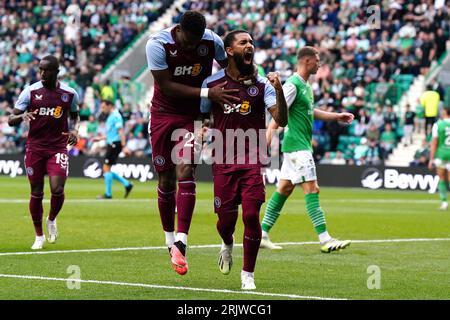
<point>204,92</point>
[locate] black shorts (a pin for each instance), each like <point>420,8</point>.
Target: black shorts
<point>112,152</point>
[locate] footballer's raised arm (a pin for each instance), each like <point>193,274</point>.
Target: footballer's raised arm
<point>344,117</point>
<point>279,110</point>
<point>171,88</point>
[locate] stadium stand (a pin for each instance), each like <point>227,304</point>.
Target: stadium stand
<point>366,69</point>
<point>85,35</point>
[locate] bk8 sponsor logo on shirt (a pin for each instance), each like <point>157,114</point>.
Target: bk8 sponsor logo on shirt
<point>243,108</point>
<point>188,70</point>
<point>54,112</point>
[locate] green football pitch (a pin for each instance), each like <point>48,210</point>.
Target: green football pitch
<point>400,249</point>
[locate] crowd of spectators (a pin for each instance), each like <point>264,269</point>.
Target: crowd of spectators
<point>84,35</point>
<point>357,50</point>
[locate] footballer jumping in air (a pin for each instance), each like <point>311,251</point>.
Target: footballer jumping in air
<point>241,182</point>
<point>180,58</point>
<point>440,154</point>
<point>47,105</point>
<point>298,166</point>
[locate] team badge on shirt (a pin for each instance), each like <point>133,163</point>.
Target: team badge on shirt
<point>253,91</point>
<point>202,50</point>
<point>65,97</point>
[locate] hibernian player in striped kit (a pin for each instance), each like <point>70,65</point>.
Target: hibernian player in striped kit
<point>440,154</point>
<point>298,166</point>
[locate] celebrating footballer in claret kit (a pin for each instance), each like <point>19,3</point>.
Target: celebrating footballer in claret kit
<point>224,150</point>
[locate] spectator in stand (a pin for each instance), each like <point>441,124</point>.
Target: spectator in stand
<point>338,159</point>
<point>436,86</point>
<point>388,141</point>
<point>372,73</point>
<point>373,133</point>
<point>422,155</point>
<point>126,112</point>
<point>427,51</point>
<point>136,144</point>
<point>349,154</point>
<point>361,125</point>
<point>390,117</point>
<point>360,154</point>
<point>349,102</point>
<point>85,112</point>
<point>92,125</point>
<point>326,158</point>
<point>334,130</point>
<point>97,88</point>
<point>373,154</point>
<point>377,118</point>
<point>408,127</point>
<point>318,150</point>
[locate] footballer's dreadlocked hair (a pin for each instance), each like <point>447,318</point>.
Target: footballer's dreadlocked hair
<point>229,38</point>
<point>306,52</point>
<point>193,22</point>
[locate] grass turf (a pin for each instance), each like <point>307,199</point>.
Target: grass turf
<point>409,270</point>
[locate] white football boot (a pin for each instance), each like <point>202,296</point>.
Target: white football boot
<point>38,243</point>
<point>247,280</point>
<point>334,245</point>
<point>52,231</point>
<point>225,258</point>
<point>267,244</point>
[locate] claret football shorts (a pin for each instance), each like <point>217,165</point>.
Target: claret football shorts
<point>162,130</point>
<point>52,163</point>
<point>231,188</point>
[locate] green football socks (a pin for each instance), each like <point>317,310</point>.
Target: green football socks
<point>315,212</point>
<point>442,187</point>
<point>273,210</point>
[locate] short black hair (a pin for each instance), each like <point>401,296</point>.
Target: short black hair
<point>229,38</point>
<point>193,22</point>
<point>306,52</point>
<point>52,59</point>
<point>108,102</point>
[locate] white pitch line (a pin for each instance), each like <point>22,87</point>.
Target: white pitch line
<point>155,286</point>
<point>375,241</point>
<point>211,246</point>
<point>130,201</point>
<point>81,200</point>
